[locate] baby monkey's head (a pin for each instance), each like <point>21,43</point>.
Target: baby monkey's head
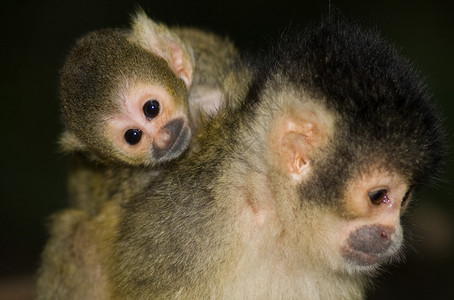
<point>124,96</point>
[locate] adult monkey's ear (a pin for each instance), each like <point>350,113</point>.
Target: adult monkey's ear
<point>295,135</point>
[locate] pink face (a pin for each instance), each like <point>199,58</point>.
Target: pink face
<point>151,127</point>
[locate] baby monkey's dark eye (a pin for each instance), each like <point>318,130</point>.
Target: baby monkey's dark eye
<point>133,136</point>
<point>151,109</point>
<point>377,197</point>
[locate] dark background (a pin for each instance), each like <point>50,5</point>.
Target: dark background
<point>36,36</point>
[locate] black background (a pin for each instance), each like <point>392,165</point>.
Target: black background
<point>36,36</point>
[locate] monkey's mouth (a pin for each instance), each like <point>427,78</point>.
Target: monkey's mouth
<point>175,149</point>
<point>182,142</point>
<point>370,245</point>
<point>362,258</point>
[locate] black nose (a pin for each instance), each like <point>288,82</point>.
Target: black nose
<point>373,239</point>
<point>166,137</point>
<point>171,140</point>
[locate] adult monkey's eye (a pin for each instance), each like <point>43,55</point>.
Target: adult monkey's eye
<point>151,109</point>
<point>404,200</point>
<point>377,197</point>
<point>133,136</point>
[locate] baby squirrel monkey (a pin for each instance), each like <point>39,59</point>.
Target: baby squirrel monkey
<point>125,102</point>
<point>124,92</point>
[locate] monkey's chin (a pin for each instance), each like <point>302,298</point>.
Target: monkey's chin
<point>361,258</point>
<point>360,261</point>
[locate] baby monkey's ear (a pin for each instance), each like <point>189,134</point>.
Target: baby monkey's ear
<point>69,142</point>
<point>159,40</point>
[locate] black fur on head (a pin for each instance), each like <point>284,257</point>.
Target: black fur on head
<point>384,112</point>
